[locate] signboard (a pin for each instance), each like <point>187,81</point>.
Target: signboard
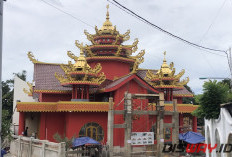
<point>142,138</point>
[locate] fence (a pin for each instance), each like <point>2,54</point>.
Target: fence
<point>30,147</point>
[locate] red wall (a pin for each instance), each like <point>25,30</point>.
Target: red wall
<point>179,100</point>
<point>51,123</point>
<point>139,125</point>
<point>55,97</point>
<point>21,123</point>
<point>76,120</point>
<point>113,69</point>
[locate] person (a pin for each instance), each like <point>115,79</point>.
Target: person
<point>25,131</point>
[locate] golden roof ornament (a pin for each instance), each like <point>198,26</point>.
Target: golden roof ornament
<point>80,72</point>
<point>29,92</point>
<point>107,25</point>
<point>165,77</point>
<point>81,62</point>
<point>165,69</point>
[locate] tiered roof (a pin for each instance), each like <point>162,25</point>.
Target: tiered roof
<point>80,72</point>
<point>166,77</point>
<point>107,44</point>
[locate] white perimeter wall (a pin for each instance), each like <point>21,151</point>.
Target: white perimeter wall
<point>222,125</point>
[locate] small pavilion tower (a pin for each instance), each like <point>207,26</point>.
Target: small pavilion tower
<point>80,76</point>
<point>165,79</point>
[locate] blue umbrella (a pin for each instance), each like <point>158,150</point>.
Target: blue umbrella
<point>192,137</point>
<point>83,140</point>
<point>3,152</point>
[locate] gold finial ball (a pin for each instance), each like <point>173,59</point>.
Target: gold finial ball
<point>164,53</point>
<point>107,6</point>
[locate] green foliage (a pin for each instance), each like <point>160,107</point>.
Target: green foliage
<point>214,94</point>
<point>6,124</point>
<point>188,100</point>
<point>197,99</point>
<point>7,98</point>
<point>226,81</point>
<point>68,142</point>
<point>7,104</point>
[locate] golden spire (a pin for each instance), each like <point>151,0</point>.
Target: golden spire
<point>165,69</point>
<point>81,61</point>
<point>107,13</point>
<point>164,57</point>
<point>107,25</point>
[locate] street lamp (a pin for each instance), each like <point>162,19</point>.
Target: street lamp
<point>214,78</point>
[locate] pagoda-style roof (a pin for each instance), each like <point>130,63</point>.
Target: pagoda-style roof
<point>165,77</point>
<point>63,106</point>
<point>107,31</point>
<point>70,106</point>
<point>117,83</point>
<point>107,44</point>
<point>80,73</point>
<point>177,93</point>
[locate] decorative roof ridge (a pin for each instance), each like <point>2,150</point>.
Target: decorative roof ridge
<point>51,91</point>
<point>146,69</point>
<point>183,95</point>
<point>28,91</point>
<point>117,78</point>
<point>35,61</point>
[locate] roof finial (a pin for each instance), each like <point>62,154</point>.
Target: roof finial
<point>107,13</point>
<point>164,56</point>
<point>81,52</point>
<point>107,25</point>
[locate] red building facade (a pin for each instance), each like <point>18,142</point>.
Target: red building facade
<point>73,98</point>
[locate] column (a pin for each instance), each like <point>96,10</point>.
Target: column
<point>42,128</point>
<point>21,123</point>
<point>194,124</point>
<point>87,92</point>
<point>168,94</point>
<point>82,92</point>
<point>73,92</point>
<point>181,121</point>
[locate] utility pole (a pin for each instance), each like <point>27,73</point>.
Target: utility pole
<point>110,131</point>
<point>160,124</point>
<point>230,66</point>
<point>1,28</point>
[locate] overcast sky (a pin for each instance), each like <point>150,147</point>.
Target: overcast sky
<point>32,25</point>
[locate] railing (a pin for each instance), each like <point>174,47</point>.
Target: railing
<point>30,147</point>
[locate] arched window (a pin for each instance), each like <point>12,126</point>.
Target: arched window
<point>92,130</point>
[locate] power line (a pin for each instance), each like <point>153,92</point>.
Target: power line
<point>204,35</point>
<point>210,26</point>
<point>125,9</point>
<point>67,13</point>
<point>150,25</point>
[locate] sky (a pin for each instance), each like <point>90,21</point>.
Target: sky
<point>32,25</point>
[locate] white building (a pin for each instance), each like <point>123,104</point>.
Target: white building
<point>219,131</point>
<point>19,95</point>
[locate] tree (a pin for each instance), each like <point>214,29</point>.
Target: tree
<point>7,104</point>
<point>214,94</point>
<point>68,142</point>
